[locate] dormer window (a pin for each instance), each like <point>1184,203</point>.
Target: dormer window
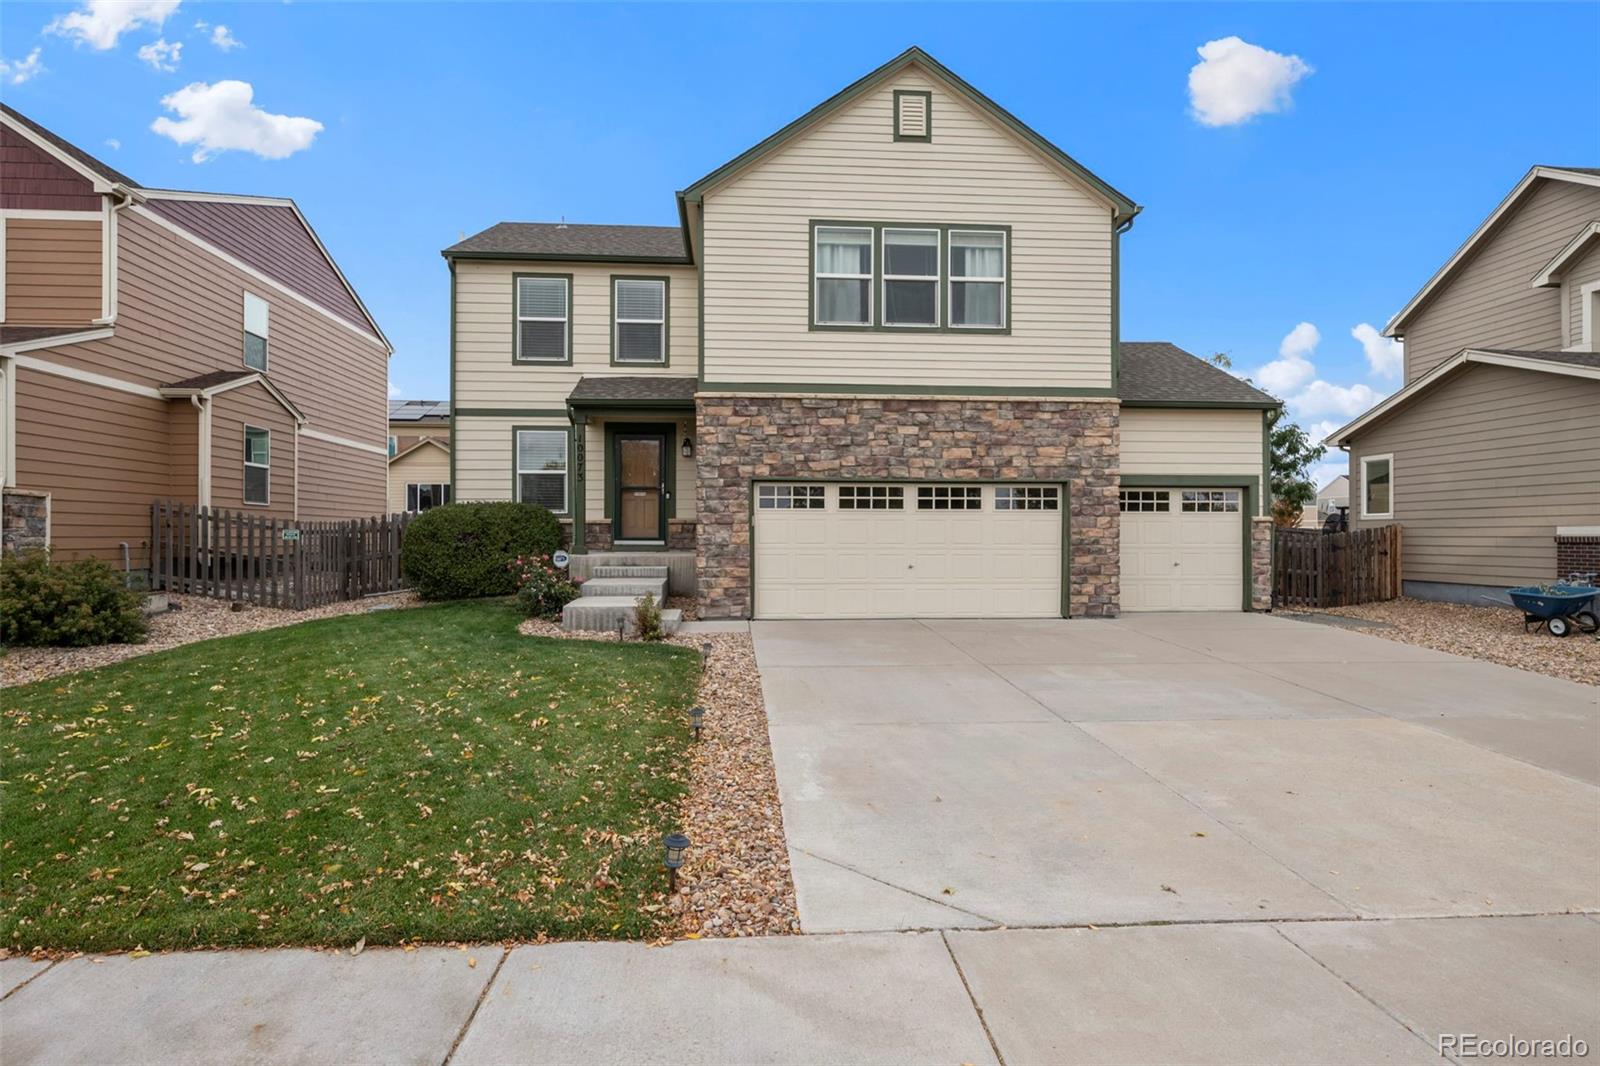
<point>913,115</point>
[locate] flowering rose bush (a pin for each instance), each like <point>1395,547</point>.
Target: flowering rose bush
<point>542,587</point>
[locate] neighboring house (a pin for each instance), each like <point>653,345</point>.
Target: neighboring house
<point>1490,454</point>
<point>164,345</point>
<point>1334,495</point>
<point>874,372</point>
<point>419,454</point>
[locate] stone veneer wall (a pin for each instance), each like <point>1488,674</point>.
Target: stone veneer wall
<point>24,521</point>
<point>742,438</point>
<point>1261,529</point>
<point>680,535</point>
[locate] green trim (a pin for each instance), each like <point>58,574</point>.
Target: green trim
<point>453,377</point>
<point>1250,483</point>
<point>1066,549</point>
<point>1125,208</point>
<point>1266,463</point>
<point>666,318</point>
<point>759,387</point>
<point>507,412</point>
<point>1116,308</point>
<point>549,257</point>
<point>700,290</point>
<point>1223,405</point>
<point>577,466</point>
<point>668,431</point>
<point>927,115</point>
<point>875,323</point>
<point>567,511</point>
<point>516,331</point>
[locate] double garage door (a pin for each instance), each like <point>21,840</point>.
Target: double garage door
<point>888,550</point>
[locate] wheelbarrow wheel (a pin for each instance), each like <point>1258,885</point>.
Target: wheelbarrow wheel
<point>1587,621</point>
<point>1560,627</point>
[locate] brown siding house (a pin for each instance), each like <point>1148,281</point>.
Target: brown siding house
<point>1489,456</point>
<point>147,331</point>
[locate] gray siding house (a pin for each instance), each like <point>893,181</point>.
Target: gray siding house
<point>1490,454</point>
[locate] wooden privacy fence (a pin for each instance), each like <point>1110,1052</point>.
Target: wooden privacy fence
<point>273,562</point>
<point>1311,568</point>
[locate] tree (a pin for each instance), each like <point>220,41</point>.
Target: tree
<point>1293,454</point>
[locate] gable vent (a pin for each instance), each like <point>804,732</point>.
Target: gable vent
<point>913,115</point>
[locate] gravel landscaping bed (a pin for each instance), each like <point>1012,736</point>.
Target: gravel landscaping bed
<point>1491,633</point>
<point>735,879</point>
<point>197,619</point>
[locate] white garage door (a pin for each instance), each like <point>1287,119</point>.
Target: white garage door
<point>1182,550</point>
<point>886,550</point>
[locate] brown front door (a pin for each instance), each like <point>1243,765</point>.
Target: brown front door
<point>641,460</point>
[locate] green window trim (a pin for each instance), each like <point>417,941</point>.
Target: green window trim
<point>927,115</point>
<point>875,288</point>
<point>566,473</point>
<point>516,318</point>
<point>666,320</point>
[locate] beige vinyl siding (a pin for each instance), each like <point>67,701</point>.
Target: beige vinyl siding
<point>183,451</point>
<point>53,275</point>
<point>1584,271</point>
<point>486,339</point>
<point>757,254</point>
<point>1489,303</point>
<point>485,465</point>
<point>425,466</point>
<point>339,482</point>
<point>231,411</point>
<point>598,472</point>
<point>408,433</point>
<point>1486,465</point>
<point>1184,441</point>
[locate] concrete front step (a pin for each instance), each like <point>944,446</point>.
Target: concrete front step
<point>632,587</point>
<point>651,572</point>
<point>602,613</point>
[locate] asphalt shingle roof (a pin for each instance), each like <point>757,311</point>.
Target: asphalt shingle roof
<point>20,334</point>
<point>207,380</point>
<point>561,240</point>
<point>634,390</point>
<point>1161,372</point>
<point>1571,358</point>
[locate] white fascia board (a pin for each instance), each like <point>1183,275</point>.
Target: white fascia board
<point>56,341</point>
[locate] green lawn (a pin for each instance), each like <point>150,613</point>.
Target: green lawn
<point>425,774</point>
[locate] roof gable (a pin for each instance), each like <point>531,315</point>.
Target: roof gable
<point>1552,273</point>
<point>1123,207</point>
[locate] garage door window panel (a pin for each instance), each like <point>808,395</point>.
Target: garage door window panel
<point>872,498</point>
<point>1146,500</point>
<point>1211,501</point>
<point>1026,498</point>
<point>791,497</point>
<point>949,498</point>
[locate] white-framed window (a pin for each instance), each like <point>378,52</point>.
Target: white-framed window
<point>910,277</point>
<point>420,497</point>
<point>639,320</point>
<point>255,332</point>
<point>257,465</point>
<point>842,258</point>
<point>542,468</point>
<point>949,498</point>
<point>394,445</point>
<point>1377,486</point>
<point>791,497</point>
<point>1209,501</point>
<point>1027,498</point>
<point>1143,500</point>
<point>977,279</point>
<point>872,498</point>
<point>544,318</point>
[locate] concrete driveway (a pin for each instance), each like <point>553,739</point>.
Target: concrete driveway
<point>1170,768</point>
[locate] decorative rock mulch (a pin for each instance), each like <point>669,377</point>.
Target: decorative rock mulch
<point>1491,633</point>
<point>196,619</point>
<point>735,879</point>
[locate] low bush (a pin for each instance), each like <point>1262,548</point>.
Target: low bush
<point>463,550</point>
<point>542,588</point>
<point>74,604</point>
<point>647,618</point>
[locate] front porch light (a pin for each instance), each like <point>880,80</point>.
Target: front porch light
<point>688,447</point>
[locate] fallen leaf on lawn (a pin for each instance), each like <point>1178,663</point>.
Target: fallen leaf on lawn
<point>361,945</point>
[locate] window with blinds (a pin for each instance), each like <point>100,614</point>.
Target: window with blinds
<point>913,115</point>
<point>639,326</point>
<point>257,465</point>
<point>542,468</point>
<point>544,322</point>
<point>255,332</point>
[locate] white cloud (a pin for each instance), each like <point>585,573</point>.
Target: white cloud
<point>17,71</point>
<point>1236,81</point>
<point>1325,398</point>
<point>394,391</point>
<point>161,55</point>
<point>1293,367</point>
<point>100,22</point>
<point>1385,355</point>
<point>223,39</point>
<point>113,144</point>
<point>222,117</point>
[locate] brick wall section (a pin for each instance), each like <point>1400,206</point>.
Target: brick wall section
<point>1261,563</point>
<point>24,521</point>
<point>743,438</point>
<point>1577,555</point>
<point>680,535</point>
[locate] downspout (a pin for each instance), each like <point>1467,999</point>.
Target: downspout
<point>121,198</point>
<point>203,461</point>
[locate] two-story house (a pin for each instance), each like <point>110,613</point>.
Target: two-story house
<point>171,345</point>
<point>419,454</point>
<point>1489,456</point>
<point>874,372</point>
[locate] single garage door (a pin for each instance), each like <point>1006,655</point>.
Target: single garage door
<point>1182,550</point>
<point>886,550</point>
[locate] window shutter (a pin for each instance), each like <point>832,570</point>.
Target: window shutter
<point>912,118</point>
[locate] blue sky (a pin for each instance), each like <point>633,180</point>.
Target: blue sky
<point>1410,124</point>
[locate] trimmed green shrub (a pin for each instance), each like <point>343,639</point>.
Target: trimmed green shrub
<point>462,550</point>
<point>74,604</point>
<point>647,618</point>
<point>542,589</point>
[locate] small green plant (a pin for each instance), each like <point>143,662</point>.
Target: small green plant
<point>542,588</point>
<point>463,550</point>
<point>74,604</point>
<point>647,618</point>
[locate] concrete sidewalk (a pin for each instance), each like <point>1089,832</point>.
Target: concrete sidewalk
<point>1332,991</point>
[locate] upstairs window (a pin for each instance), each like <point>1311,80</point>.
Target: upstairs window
<point>639,326</point>
<point>257,465</point>
<point>544,321</point>
<point>843,261</point>
<point>910,277</point>
<point>977,279</point>
<point>542,468</point>
<point>913,115</point>
<point>255,332</point>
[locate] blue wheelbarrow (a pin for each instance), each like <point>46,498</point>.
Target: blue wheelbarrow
<point>1557,608</point>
